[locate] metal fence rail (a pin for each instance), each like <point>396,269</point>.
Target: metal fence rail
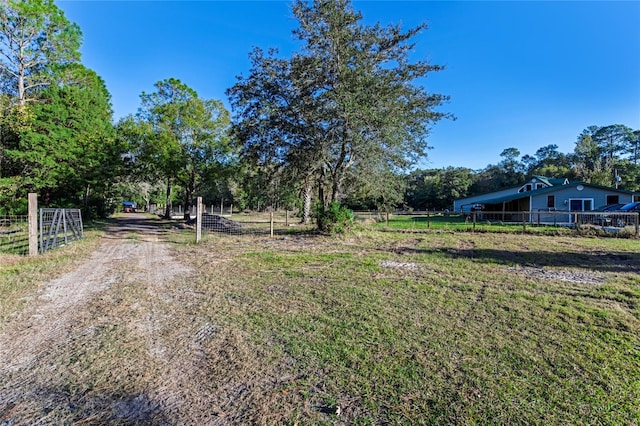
<point>604,223</point>
<point>58,227</point>
<point>263,223</point>
<point>14,234</point>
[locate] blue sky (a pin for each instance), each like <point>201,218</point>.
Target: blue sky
<point>520,74</point>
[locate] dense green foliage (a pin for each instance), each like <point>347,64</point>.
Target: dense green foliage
<point>35,39</point>
<point>605,156</point>
<point>334,218</point>
<point>343,119</point>
<point>56,135</point>
<point>177,137</point>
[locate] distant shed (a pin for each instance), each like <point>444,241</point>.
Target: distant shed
<point>128,207</point>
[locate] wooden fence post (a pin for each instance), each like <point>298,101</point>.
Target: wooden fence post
<point>33,223</point>
<point>474,220</point>
<point>199,220</point>
<point>271,223</point>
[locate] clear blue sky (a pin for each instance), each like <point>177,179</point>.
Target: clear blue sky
<point>520,74</point>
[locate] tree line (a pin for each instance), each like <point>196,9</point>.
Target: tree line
<point>603,155</point>
<point>343,121</point>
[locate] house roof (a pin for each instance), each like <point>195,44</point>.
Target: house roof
<point>546,180</point>
<point>552,181</point>
<point>546,190</point>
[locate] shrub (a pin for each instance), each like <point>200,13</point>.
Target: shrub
<point>335,218</point>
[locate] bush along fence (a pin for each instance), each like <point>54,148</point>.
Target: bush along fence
<point>588,222</point>
<point>39,231</point>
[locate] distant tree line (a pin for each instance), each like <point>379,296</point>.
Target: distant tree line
<point>343,121</point>
<point>603,155</point>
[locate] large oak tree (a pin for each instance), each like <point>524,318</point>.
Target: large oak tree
<point>343,110</point>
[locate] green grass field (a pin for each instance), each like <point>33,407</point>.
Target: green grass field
<point>445,328</point>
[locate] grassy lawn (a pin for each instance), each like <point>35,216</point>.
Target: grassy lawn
<point>452,222</point>
<point>449,328</point>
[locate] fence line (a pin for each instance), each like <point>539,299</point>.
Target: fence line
<point>178,210</point>
<point>252,223</point>
<point>543,221</point>
<point>604,223</point>
<point>14,234</point>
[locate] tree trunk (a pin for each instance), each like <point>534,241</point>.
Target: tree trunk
<point>85,198</point>
<point>321,199</point>
<point>21,95</point>
<point>167,210</point>
<point>335,188</point>
<point>306,208</point>
<point>321,195</point>
<point>187,206</point>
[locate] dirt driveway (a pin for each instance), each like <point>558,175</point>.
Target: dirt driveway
<point>107,343</point>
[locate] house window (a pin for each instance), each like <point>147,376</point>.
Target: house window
<point>539,185</point>
<point>551,201</point>
<point>528,187</point>
<point>580,204</point>
<point>613,199</point>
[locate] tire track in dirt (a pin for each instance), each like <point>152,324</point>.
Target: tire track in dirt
<point>132,250</point>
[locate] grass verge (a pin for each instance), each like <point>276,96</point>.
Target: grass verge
<point>458,223</point>
<point>21,275</point>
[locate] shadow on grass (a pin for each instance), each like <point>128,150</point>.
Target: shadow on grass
<point>601,261</point>
<point>100,409</point>
<point>593,261</point>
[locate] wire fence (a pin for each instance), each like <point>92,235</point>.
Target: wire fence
<point>253,223</point>
<point>542,221</point>
<point>178,211</point>
<point>220,220</point>
<point>14,234</point>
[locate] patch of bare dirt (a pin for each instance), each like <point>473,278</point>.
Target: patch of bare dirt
<point>577,277</point>
<point>40,348</point>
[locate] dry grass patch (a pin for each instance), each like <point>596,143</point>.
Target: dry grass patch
<point>20,276</point>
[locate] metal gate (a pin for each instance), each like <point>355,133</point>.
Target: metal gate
<point>58,227</point>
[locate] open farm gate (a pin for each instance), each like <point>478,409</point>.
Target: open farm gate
<point>58,227</point>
